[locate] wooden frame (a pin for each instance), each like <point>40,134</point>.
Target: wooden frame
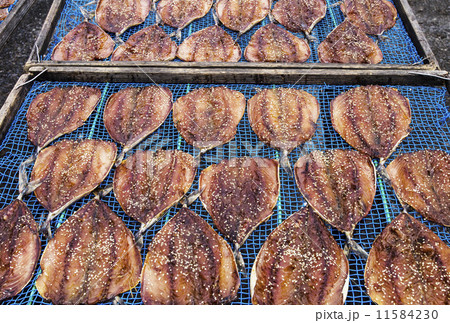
<point>14,17</point>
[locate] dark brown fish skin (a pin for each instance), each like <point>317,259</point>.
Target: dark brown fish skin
<point>283,118</point>
<point>92,258</point>
<point>271,43</point>
<point>339,185</point>
<point>372,119</point>
<point>6,3</point>
<point>299,15</point>
<point>116,16</point>
<point>212,44</point>
<point>180,13</point>
<point>300,264</point>
<point>20,247</point>
<point>408,264</point>
<point>86,42</point>
<point>188,263</point>
<point>71,169</point>
<point>372,16</point>
<point>349,45</point>
<point>148,183</point>
<point>135,112</point>
<point>422,180</point>
<point>208,117</point>
<point>241,15</point>
<point>3,13</point>
<point>149,44</point>
<point>60,111</point>
<point>240,194</point>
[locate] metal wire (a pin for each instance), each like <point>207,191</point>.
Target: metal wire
<point>397,48</point>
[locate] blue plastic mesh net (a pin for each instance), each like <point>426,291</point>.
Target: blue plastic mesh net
<point>11,7</point>
<point>397,48</point>
<point>431,129</point>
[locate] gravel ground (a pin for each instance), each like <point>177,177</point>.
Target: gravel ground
<point>433,16</point>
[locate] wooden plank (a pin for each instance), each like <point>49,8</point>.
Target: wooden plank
<point>14,17</point>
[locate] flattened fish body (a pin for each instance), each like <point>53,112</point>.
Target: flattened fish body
<point>188,263</point>
<point>71,169</point>
<point>338,184</point>
<point>371,16</point>
<point>240,194</point>
<point>300,264</point>
<point>208,117</point>
<point>241,15</point>
<point>6,3</point>
<point>116,16</point>
<point>271,43</point>
<point>149,44</point>
<point>134,113</point>
<point>148,183</point>
<point>180,13</point>
<point>86,42</point>
<point>92,258</point>
<point>372,119</point>
<point>299,15</point>
<point>350,45</point>
<point>422,180</point>
<point>3,13</point>
<point>408,264</point>
<point>20,247</point>
<point>212,44</point>
<point>283,118</point>
<point>60,111</point>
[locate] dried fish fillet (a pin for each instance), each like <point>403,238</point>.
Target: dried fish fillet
<point>212,44</point>
<point>6,3</point>
<point>148,183</point>
<point>59,111</point>
<point>180,13</point>
<point>116,16</point>
<point>371,16</point>
<point>69,170</point>
<point>208,117</point>
<point>408,264</point>
<point>299,15</point>
<point>241,15</point>
<point>422,180</point>
<point>3,13</point>
<point>372,119</point>
<point>339,185</point>
<point>86,42</point>
<point>92,258</point>
<point>271,43</point>
<point>19,248</point>
<point>189,263</point>
<point>240,194</point>
<point>300,263</point>
<point>348,44</point>
<point>135,112</point>
<point>149,44</point>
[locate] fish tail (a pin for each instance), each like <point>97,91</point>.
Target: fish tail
<point>352,245</point>
<point>284,162</point>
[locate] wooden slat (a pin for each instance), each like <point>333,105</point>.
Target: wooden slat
<point>14,17</point>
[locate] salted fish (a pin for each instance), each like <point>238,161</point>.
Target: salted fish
<point>6,3</point>
<point>3,13</point>
<point>180,13</point>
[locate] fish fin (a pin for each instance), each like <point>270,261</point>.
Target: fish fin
<point>154,5</point>
<point>271,18</point>
<point>355,247</point>
<point>310,38</point>
<point>188,200</point>
<point>158,18</point>
<point>284,162</point>
<point>239,260</point>
<point>381,38</point>
<point>178,34</point>
<point>334,5</point>
<point>381,170</point>
<point>24,185</point>
<point>45,228</point>
<point>118,301</point>
<point>120,157</point>
<point>215,17</point>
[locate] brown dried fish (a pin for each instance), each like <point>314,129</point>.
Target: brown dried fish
<point>180,13</point>
<point>20,247</point>
<point>59,111</point>
<point>300,263</point>
<point>149,44</point>
<point>348,44</point>
<point>86,42</point>
<point>422,180</point>
<point>135,112</point>
<point>408,264</point>
<point>339,185</point>
<point>208,117</point>
<point>271,43</point>
<point>92,258</point>
<point>3,13</point>
<point>69,170</point>
<point>116,16</point>
<point>212,44</point>
<point>299,15</point>
<point>6,3</point>
<point>371,16</point>
<point>189,263</point>
<point>241,15</point>
<point>240,194</point>
<point>149,183</point>
<point>373,119</point>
